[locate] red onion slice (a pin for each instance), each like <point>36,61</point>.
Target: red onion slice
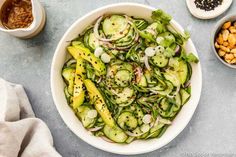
<point>95,129</point>
<point>106,139</point>
<point>146,63</point>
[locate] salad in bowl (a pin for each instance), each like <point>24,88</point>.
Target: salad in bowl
<point>127,78</point>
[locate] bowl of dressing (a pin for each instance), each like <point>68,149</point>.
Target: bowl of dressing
<point>22,18</point>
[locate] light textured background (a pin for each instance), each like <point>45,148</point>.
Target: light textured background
<point>212,129</point>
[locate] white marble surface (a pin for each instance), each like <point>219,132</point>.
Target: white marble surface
<point>212,130</point>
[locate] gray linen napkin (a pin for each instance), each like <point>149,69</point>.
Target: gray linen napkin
<point>21,134</point>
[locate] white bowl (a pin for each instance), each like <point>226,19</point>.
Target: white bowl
<point>57,86</point>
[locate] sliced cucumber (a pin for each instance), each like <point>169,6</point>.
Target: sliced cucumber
<point>127,40</point>
<point>83,116</point>
<point>173,77</point>
<point>124,96</point>
<point>70,63</point>
<point>113,26</point>
<point>69,77</point>
<point>155,131</point>
<point>130,139</point>
<point>159,60</point>
<point>127,121</point>
<point>123,78</point>
<point>93,42</point>
<point>189,72</point>
<point>177,104</point>
<point>130,101</point>
<point>164,104</point>
<point>67,95</point>
<point>183,71</point>
<point>115,134</point>
<point>168,89</point>
<point>184,96</point>
<point>139,114</point>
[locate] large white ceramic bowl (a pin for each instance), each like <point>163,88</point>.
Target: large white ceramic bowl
<point>57,86</point>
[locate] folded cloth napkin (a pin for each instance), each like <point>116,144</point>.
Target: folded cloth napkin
<point>21,134</point>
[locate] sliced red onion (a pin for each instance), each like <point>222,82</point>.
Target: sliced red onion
<point>146,63</point>
<point>177,50</point>
<point>95,129</point>
<point>187,84</point>
<point>107,139</point>
<point>99,80</point>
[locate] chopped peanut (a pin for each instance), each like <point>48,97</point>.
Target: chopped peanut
<point>221,53</point>
<point>229,56</point>
<point>232,29</point>
<point>225,34</point>
<point>233,61</point>
<point>220,39</point>
<point>224,48</point>
<point>227,25</point>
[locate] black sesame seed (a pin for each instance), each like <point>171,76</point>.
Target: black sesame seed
<point>207,5</point>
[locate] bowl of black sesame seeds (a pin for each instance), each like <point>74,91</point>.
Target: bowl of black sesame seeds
<point>208,9</point>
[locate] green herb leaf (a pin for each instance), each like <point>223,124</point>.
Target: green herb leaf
<point>159,15</point>
<point>191,58</point>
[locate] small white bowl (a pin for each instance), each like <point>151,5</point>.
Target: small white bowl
<point>202,14</point>
<point>57,86</point>
<point>37,25</point>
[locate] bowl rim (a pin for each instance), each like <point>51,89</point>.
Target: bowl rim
<point>142,151</point>
<point>215,31</point>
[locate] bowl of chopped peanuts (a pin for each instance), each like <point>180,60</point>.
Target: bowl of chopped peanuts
<point>224,40</point>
